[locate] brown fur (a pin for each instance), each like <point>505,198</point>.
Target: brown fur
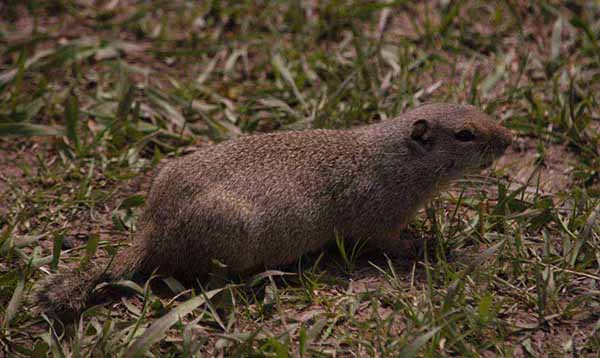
<point>264,200</point>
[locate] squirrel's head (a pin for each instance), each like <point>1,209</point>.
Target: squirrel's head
<point>457,139</point>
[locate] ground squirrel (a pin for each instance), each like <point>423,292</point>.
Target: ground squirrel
<point>264,200</point>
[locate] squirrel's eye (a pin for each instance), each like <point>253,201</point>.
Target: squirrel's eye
<point>464,135</point>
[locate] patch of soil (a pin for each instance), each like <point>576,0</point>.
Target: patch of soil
<point>522,160</point>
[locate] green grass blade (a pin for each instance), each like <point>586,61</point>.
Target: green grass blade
<point>157,330</point>
<point>15,302</point>
<point>285,72</point>
<point>29,130</point>
<point>72,120</point>
<point>56,250</point>
<point>412,349</point>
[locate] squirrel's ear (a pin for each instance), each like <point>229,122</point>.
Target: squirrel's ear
<point>420,130</point>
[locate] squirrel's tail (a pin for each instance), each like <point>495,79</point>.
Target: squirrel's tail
<point>67,293</point>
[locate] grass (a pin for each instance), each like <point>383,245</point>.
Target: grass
<point>92,97</point>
